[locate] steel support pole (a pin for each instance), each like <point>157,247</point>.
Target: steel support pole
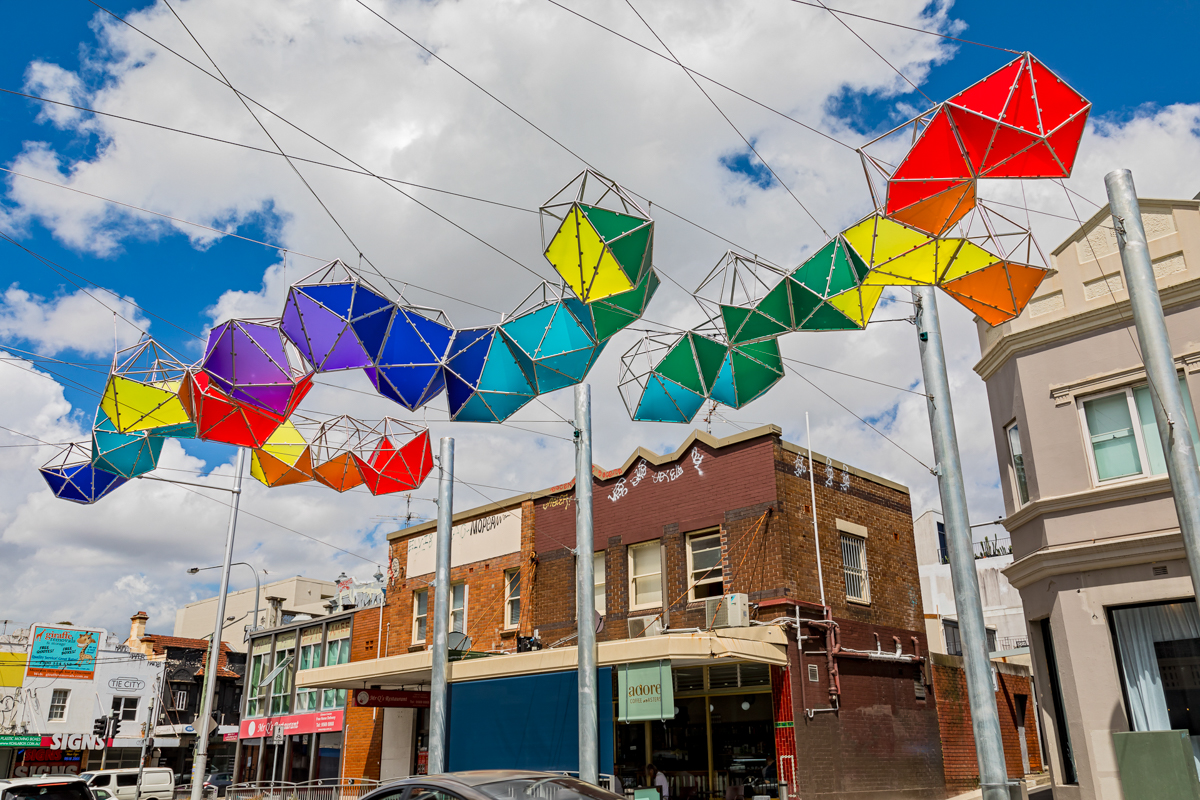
<point>441,611</point>
<point>199,764</point>
<point>585,598</point>
<point>1169,411</point>
<point>985,720</point>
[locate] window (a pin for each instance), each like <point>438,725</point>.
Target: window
<point>645,576</point>
<point>1018,463</point>
<point>420,615</point>
<point>854,566</point>
<point>337,651</point>
<point>1123,434</point>
<point>256,700</point>
<point>125,708</point>
<point>310,656</point>
<point>281,687</point>
<point>953,640</point>
<point>943,549</point>
<point>179,699</point>
<point>705,578</point>
<point>599,580</point>
<point>58,703</point>
<point>458,608</point>
<point>1062,731</point>
<point>512,598</point>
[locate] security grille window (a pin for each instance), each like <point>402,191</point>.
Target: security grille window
<point>704,565</point>
<point>854,566</point>
<point>512,598</point>
<point>179,699</point>
<point>600,581</point>
<point>1123,435</point>
<point>337,651</point>
<point>58,703</point>
<point>310,657</point>
<point>1018,463</point>
<point>125,708</point>
<point>458,607</point>
<point>645,576</point>
<point>420,615</point>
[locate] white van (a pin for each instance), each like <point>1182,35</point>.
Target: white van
<point>158,783</point>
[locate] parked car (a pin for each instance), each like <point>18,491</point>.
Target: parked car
<point>495,784</point>
<point>45,787</point>
<point>218,781</point>
<point>103,794</point>
<point>158,783</point>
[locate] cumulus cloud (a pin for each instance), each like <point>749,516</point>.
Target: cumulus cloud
<point>73,321</point>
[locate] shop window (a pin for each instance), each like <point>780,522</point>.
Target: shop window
<point>337,651</point>
<point>704,565</point>
<point>600,579</point>
<point>1018,463</point>
<point>58,703</point>
<point>854,568</point>
<point>458,608</point>
<point>1122,433</point>
<point>689,679</point>
<point>310,657</point>
<point>645,576</point>
<point>512,598</point>
<point>125,708</point>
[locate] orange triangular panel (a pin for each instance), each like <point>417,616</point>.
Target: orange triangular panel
<point>938,214</point>
<point>999,292</point>
<point>340,473</point>
<point>989,95</point>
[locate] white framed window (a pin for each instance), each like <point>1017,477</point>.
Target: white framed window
<point>179,699</point>
<point>512,598</point>
<point>125,708</point>
<point>256,695</point>
<point>1122,435</point>
<point>420,615</point>
<point>1013,434</point>
<point>337,651</point>
<point>854,568</point>
<point>310,657</point>
<point>599,581</point>
<point>705,578</point>
<point>645,576</point>
<point>58,703</point>
<point>458,607</point>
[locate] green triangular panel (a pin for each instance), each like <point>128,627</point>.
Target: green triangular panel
<point>631,252</point>
<point>765,352</point>
<point>610,224</point>
<point>828,318</point>
<point>842,276</point>
<point>750,377</point>
<point>804,302</point>
<point>679,365</point>
<point>710,354</point>
<point>636,299</point>
<point>860,267</point>
<point>776,305</point>
<point>608,321</point>
<point>814,273</point>
<point>733,317</point>
<point>758,326</point>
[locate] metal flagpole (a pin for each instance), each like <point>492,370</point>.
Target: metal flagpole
<point>214,650</point>
<point>1174,427</point>
<point>812,481</point>
<point>441,611</point>
<point>985,720</point>
<point>589,749</point>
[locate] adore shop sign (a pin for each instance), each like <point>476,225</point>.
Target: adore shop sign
<point>477,540</point>
<point>645,691</point>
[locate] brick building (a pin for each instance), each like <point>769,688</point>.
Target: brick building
<point>844,683</point>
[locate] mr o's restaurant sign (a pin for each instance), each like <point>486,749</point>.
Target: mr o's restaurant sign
<point>645,691</point>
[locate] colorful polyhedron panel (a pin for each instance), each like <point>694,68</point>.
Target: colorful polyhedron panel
<point>220,418</point>
<point>398,457</point>
<point>559,340</point>
<point>333,445</point>
<point>747,372</point>
<point>253,362</point>
<point>617,312</point>
<point>408,368</point>
<point>651,396</point>
<point>336,319</point>
<point>488,377</point>
<point>141,393</point>
<point>284,459</point>
<point>125,454</point>
<point>71,475</point>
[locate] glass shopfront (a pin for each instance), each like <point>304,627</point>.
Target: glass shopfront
<point>721,742</point>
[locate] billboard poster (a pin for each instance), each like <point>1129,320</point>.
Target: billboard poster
<point>62,653</point>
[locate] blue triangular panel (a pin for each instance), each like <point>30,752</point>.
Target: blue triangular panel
<point>337,297</point>
<point>723,390</point>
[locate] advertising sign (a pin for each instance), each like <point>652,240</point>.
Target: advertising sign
<point>320,722</point>
<point>62,653</point>
<point>29,763</point>
<point>645,691</point>
<point>477,540</point>
<point>387,698</point>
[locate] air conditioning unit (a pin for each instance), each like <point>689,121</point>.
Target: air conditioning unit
<point>644,626</point>
<point>729,611</point>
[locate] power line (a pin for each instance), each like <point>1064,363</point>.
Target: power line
<point>837,12</point>
<point>846,25</point>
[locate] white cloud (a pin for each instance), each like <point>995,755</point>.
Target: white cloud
<point>73,321</point>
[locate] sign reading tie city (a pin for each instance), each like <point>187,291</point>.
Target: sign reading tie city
<point>62,653</point>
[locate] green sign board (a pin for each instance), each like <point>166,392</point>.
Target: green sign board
<point>644,691</point>
<point>20,741</point>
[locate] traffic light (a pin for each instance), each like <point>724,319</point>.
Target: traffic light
<point>114,725</point>
<point>100,726</point>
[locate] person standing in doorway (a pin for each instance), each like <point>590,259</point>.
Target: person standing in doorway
<point>657,780</point>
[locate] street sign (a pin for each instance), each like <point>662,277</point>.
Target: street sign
<point>645,691</point>
<point>385,698</point>
<point>278,735</point>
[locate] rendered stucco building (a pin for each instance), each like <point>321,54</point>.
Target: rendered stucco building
<point>1098,558</point>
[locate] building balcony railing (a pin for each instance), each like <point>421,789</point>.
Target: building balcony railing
<point>988,548</point>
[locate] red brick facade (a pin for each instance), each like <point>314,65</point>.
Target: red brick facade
<point>362,732</point>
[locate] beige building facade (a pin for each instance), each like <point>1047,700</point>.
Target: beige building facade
<point>278,602</point>
<point>1097,554</point>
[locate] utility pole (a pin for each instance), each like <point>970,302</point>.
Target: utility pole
<point>585,582</point>
<point>214,650</point>
<point>441,611</point>
<point>985,720</point>
<point>1169,410</point>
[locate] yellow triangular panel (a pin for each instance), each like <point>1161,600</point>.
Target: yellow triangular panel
<point>878,239</point>
<point>858,304</point>
<point>564,251</point>
<point>286,444</point>
<point>584,261</point>
<point>134,406</point>
<point>970,258</point>
<point>256,470</point>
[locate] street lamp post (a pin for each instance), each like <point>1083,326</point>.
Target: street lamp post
<point>257,589</point>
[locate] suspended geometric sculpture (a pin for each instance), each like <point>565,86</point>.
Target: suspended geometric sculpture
<point>408,363</point>
<point>823,293</point>
<point>601,241</point>
<point>253,362</point>
<point>746,372</point>
<point>488,377</point>
<point>618,311</point>
<point>336,319</point>
<point>733,289</point>
<point>398,457</point>
<point>220,418</point>
<point>283,459</point>
<point>142,392</point>
<point>71,475</point>
<point>998,292</point>
<point>333,444</point>
<point>126,454</point>
<point>556,335</point>
<point>649,395</point>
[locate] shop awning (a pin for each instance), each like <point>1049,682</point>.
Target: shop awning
<point>763,644</point>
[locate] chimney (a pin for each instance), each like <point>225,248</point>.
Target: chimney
<point>137,629</point>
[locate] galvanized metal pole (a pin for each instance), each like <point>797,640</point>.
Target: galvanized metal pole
<point>589,748</point>
<point>441,611</point>
<point>214,649</point>
<point>1169,411</point>
<point>985,720</point>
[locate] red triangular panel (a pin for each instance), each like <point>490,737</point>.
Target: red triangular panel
<point>936,154</point>
<point>1065,141</point>
<point>902,194</point>
<point>1036,162</point>
<point>976,133</point>
<point>1007,143</point>
<point>989,95</point>
<point>1056,99</point>
<point>1022,108</point>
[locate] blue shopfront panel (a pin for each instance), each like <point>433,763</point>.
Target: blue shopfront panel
<point>527,722</point>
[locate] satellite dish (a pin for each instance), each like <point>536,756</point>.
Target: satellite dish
<point>599,622</point>
<point>458,641</point>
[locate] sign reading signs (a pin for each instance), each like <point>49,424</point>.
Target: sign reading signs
<point>62,653</point>
<point>645,691</point>
<point>477,540</point>
<point>387,698</point>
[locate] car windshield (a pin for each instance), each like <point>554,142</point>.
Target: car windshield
<point>549,788</point>
<point>74,790</point>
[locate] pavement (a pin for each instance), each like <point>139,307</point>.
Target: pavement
<point>1038,787</point>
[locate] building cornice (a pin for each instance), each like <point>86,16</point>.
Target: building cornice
<point>1096,554</point>
<point>1055,332</point>
<point>1065,393</point>
<point>1115,493</point>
